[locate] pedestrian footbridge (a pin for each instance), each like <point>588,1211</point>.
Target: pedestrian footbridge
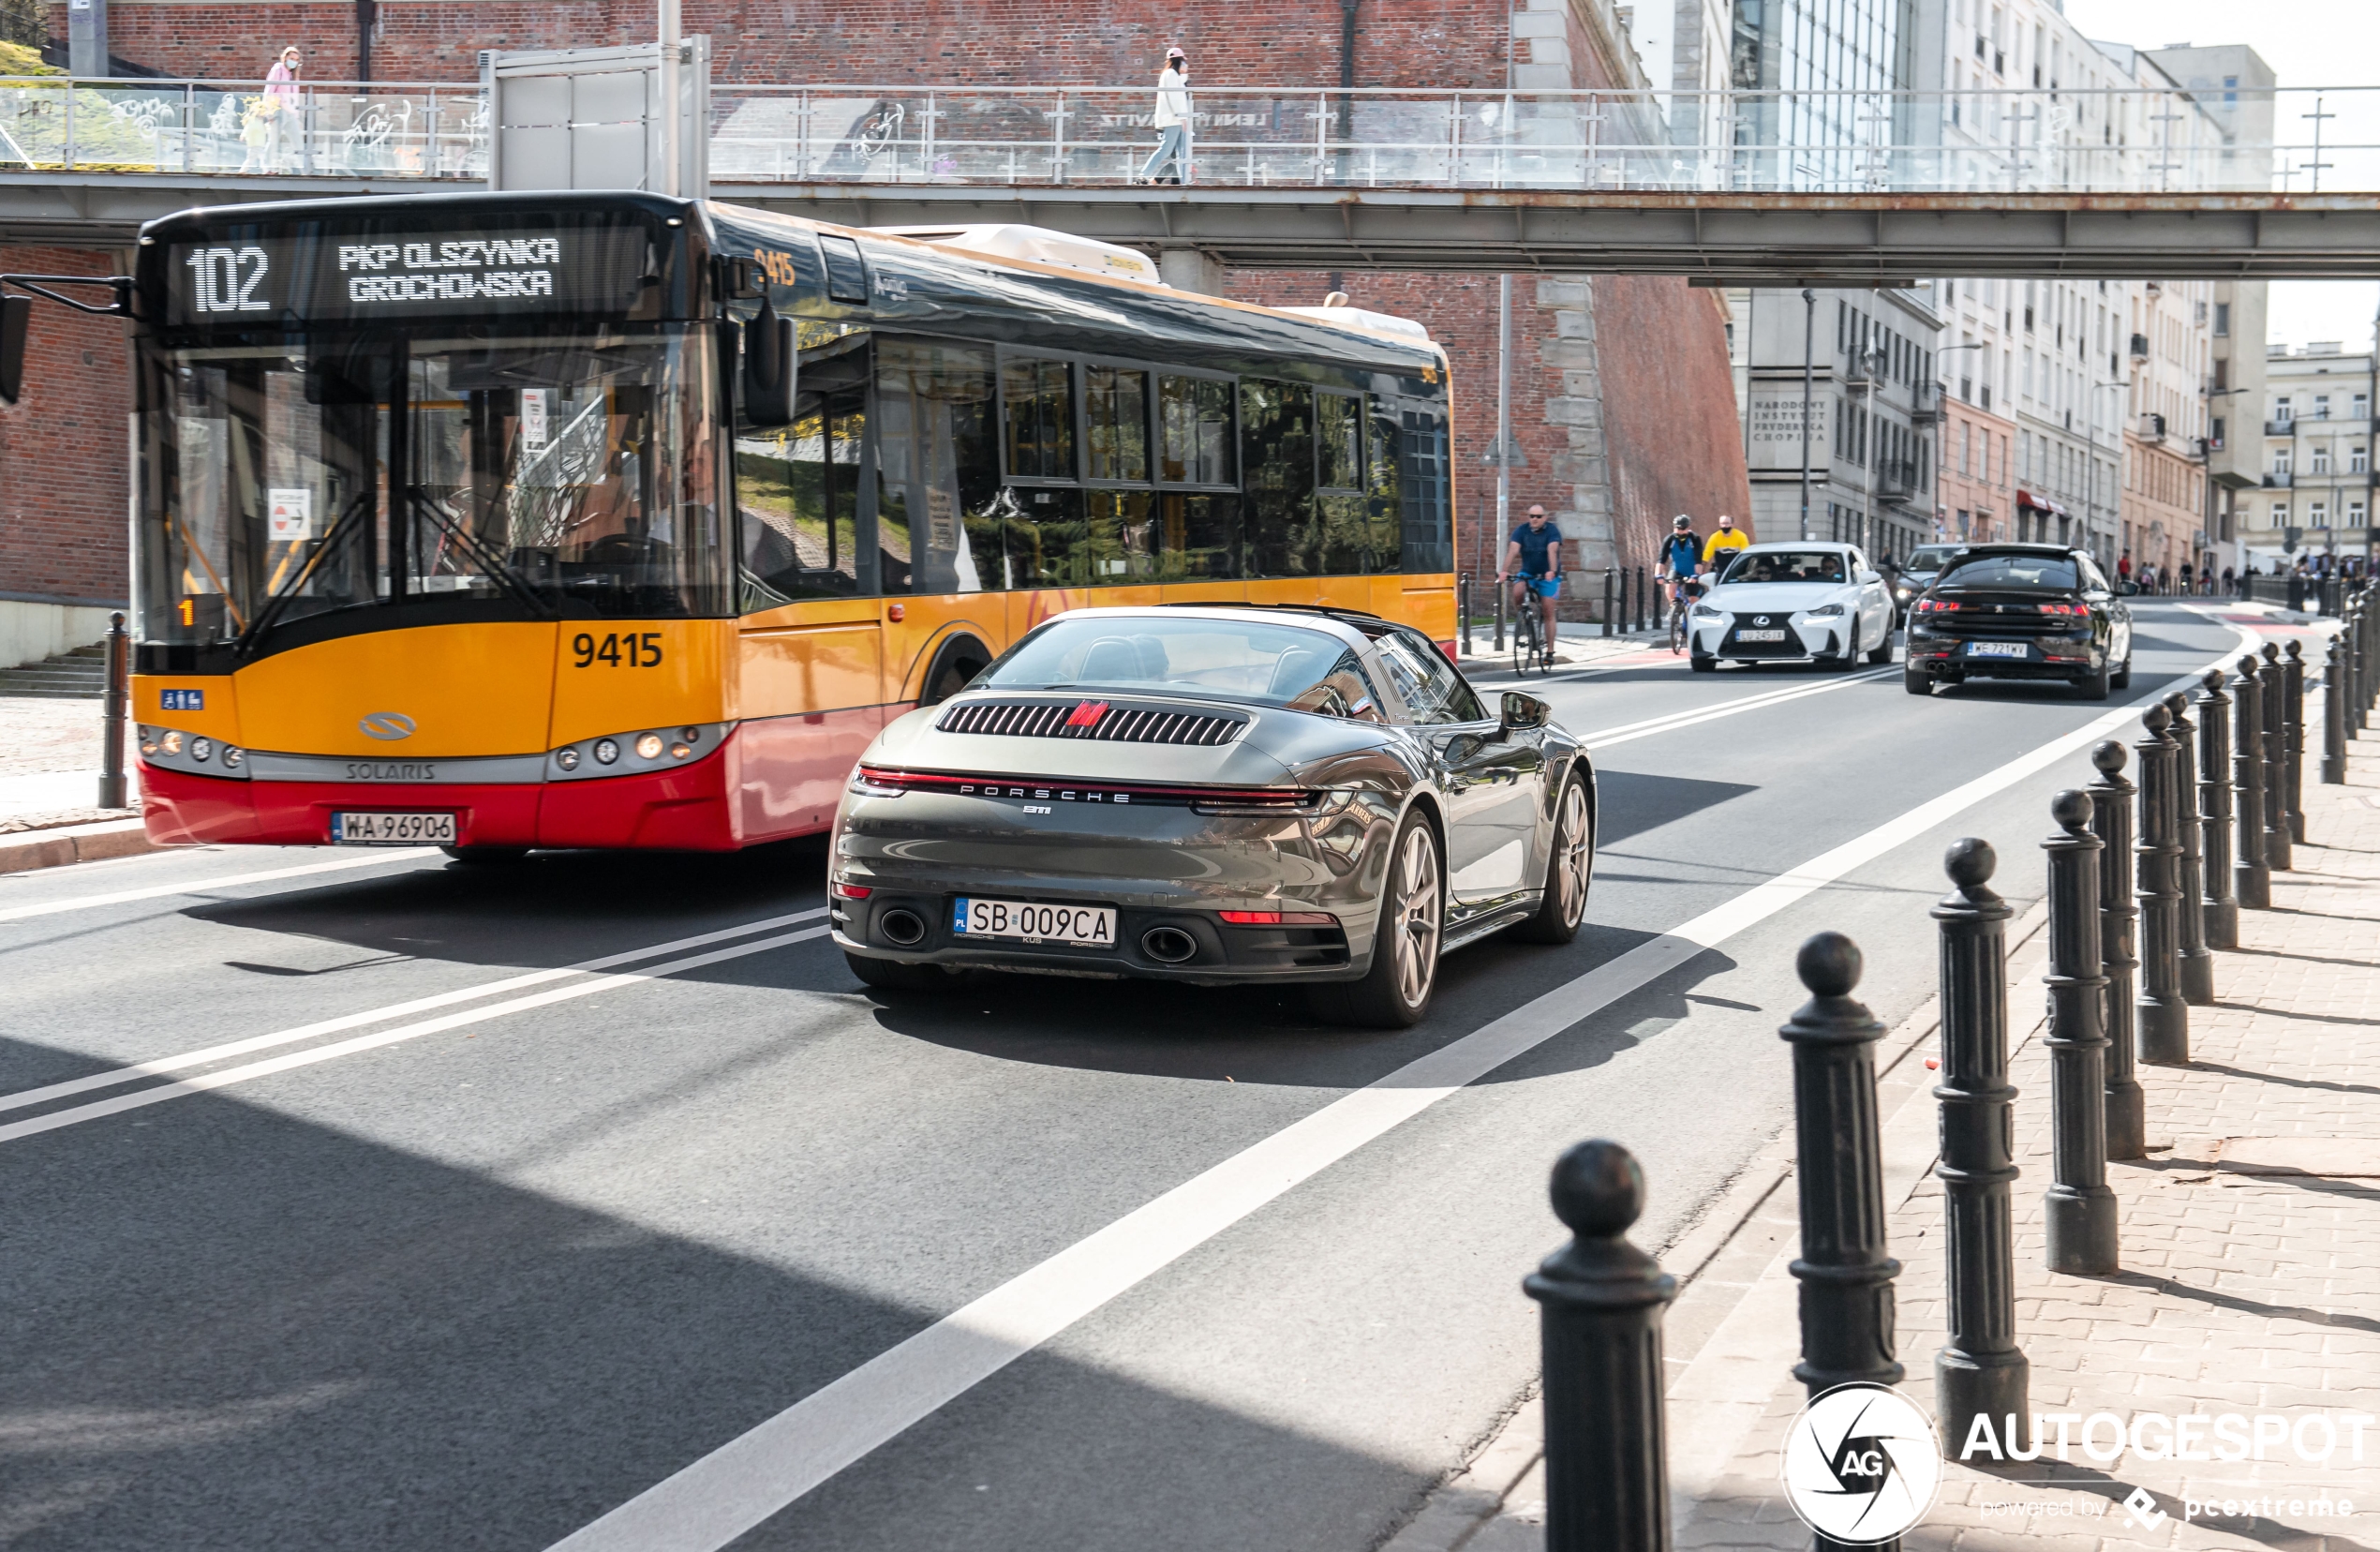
<point>1727,187</point>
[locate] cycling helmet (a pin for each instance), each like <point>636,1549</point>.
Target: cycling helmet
<point>1681,522</point>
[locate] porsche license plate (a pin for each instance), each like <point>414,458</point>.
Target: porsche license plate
<point>1759,635</point>
<point>393,830</point>
<point>1027,922</point>
<point>1998,649</point>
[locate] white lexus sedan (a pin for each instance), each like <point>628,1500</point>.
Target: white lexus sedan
<point>1807,601</point>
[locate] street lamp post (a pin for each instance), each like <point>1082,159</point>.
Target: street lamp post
<point>2090,487</point>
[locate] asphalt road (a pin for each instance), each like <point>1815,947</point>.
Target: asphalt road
<point>476,1273</point>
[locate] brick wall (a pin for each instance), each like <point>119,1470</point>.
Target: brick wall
<point>1669,408</point>
<point>63,476</point>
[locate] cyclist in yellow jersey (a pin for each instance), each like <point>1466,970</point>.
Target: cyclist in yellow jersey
<point>1724,541</point>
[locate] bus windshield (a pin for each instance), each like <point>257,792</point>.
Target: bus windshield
<point>495,471</point>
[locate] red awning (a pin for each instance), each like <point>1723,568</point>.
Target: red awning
<point>2038,503</point>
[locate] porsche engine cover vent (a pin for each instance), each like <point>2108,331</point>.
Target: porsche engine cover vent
<point>1092,719</point>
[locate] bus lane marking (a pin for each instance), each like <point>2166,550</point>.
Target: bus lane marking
<point>715,1499</point>
<point>163,1064</point>
<point>159,891</point>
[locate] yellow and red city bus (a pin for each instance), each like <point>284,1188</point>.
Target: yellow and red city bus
<point>612,520</point>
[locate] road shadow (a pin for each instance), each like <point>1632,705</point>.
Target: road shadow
<point>233,1330</point>
<point>1632,802</point>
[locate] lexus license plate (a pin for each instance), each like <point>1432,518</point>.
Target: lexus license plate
<point>1759,635</point>
<point>1998,649</point>
<point>393,830</point>
<point>1030,922</point>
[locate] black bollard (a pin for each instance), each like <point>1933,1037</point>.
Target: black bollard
<point>2126,1127</point>
<point>2272,756</point>
<point>1643,602</point>
<point>2161,1025</point>
<point>1463,607</point>
<point>2197,965</point>
<point>1502,591</point>
<point>2252,875</point>
<point>2293,706</point>
<point>2080,1209</point>
<point>2334,713</point>
<point>1846,1277</point>
<point>112,714</point>
<point>1600,1301</point>
<point>2221,924</point>
<point>1981,1372</point>
<point>1611,621</point>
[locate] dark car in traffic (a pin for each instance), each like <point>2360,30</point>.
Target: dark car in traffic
<point>2019,611</point>
<point>1915,573</point>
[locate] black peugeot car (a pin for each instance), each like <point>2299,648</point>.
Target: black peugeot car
<point>2019,611</point>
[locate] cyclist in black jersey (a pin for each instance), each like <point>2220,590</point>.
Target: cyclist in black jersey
<point>1681,558</point>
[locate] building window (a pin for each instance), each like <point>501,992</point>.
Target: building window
<point>2284,410</point>
<point>2223,320</point>
<point>2359,460</point>
<point>2363,407</point>
<point>2281,461</point>
<point>2354,514</point>
<point>2322,407</point>
<point>2318,514</point>
<point>2214,433</point>
<point>2321,460</point>
<point>2279,515</point>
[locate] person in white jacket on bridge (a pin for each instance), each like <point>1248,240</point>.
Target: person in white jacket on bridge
<point>1171,121</point>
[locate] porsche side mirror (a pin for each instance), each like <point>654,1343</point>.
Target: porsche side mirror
<point>1523,712</point>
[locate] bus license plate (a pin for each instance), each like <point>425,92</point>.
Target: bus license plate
<point>393,830</point>
<point>1998,649</point>
<point>1093,926</point>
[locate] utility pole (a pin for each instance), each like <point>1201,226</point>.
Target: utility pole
<point>1809,330</point>
<point>673,154</point>
<point>1504,412</point>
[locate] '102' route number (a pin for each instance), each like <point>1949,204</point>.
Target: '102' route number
<point>629,649</point>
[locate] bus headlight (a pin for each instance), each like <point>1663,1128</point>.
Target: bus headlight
<point>232,757</point>
<point>202,749</point>
<point>649,746</point>
<point>606,750</point>
<point>171,743</point>
<point>567,758</point>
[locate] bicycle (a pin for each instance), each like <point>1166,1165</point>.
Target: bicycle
<point>1682,595</point>
<point>1528,637</point>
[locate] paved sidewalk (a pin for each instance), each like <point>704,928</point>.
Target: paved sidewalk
<point>2250,1243</point>
<point>50,764</point>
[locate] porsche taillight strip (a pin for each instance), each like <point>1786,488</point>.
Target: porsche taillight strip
<point>1037,789</point>
<point>1090,719</point>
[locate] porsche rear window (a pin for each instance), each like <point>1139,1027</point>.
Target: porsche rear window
<point>1229,659</point>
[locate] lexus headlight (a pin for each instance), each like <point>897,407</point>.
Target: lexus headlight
<point>1703,611</point>
<point>1825,611</point>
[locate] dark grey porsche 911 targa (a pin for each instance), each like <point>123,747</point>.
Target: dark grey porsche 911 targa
<point>1213,795</point>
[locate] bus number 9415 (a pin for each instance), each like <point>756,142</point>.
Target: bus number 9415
<point>620,650</point>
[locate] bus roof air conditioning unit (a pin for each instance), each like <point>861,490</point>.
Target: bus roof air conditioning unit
<point>1036,245</point>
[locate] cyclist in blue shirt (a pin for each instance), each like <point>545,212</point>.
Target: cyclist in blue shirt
<point>1681,558</point>
<point>1533,561</point>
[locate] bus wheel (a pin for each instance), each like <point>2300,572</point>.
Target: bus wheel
<point>477,857</point>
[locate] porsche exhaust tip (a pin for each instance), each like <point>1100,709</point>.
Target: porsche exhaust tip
<point>901,927</point>
<point>1168,946</point>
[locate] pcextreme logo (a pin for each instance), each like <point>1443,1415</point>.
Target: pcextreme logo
<point>1861,1465</point>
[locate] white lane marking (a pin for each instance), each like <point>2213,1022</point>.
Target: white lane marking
<point>392,1010</point>
<point>717,1498</point>
<point>159,891</point>
<point>208,1082</point>
<point>1628,732</point>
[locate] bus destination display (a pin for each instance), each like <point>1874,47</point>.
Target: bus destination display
<point>334,278</point>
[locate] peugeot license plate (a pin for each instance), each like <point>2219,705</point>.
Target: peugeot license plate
<point>1030,922</point>
<point>1998,649</point>
<point>393,830</point>
<point>1759,635</point>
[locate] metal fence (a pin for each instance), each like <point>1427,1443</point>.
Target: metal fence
<point>313,128</point>
<point>2296,142</point>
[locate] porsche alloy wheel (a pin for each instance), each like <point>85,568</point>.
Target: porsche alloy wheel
<point>1396,992</point>
<point>1569,871</point>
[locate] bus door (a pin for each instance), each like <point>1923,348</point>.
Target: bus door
<point>812,674</point>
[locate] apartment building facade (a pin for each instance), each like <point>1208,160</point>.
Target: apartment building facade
<point>2316,491</point>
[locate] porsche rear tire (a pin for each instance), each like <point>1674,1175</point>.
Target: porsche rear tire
<point>1394,994</point>
<point>1570,870</point>
<point>894,976</point>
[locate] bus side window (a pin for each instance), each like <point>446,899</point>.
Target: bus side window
<point>1384,534</point>
<point>1425,507</point>
<point>1341,531</point>
<point>799,491</point>
<point>1276,456</point>
<point>937,519</point>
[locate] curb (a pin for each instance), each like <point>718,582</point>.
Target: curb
<point>72,844</point>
